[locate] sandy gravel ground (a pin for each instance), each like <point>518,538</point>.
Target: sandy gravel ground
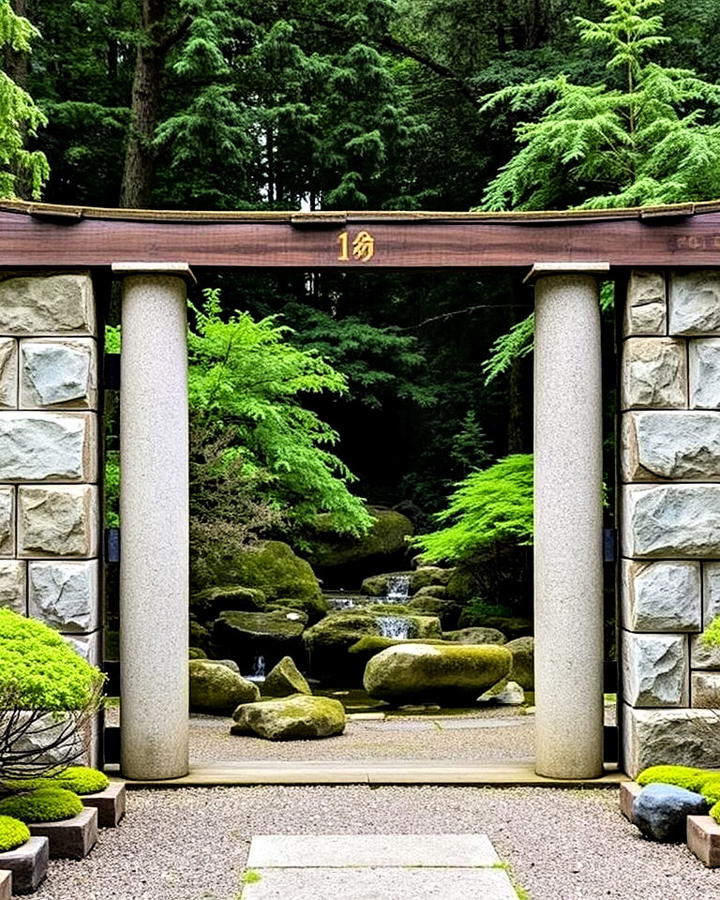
<point>191,844</point>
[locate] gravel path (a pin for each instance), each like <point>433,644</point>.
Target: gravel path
<point>191,844</point>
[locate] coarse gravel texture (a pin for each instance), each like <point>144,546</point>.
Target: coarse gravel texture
<point>191,844</point>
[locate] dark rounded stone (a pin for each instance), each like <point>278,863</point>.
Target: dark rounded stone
<point>660,811</point>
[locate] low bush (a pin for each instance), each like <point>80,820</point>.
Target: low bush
<point>78,779</point>
<point>13,833</point>
<point>701,781</point>
<point>47,804</point>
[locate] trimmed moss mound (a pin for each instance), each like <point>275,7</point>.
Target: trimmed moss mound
<point>13,833</point>
<point>46,804</point>
<point>445,673</point>
<point>81,780</point>
<point>700,781</point>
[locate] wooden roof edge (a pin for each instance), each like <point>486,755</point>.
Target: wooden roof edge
<point>327,218</point>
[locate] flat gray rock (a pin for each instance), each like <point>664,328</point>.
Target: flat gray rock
<point>373,850</point>
<point>380,884</point>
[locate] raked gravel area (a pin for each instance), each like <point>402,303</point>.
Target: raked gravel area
<point>191,844</point>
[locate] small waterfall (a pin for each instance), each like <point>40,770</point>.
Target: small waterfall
<point>398,589</point>
<point>258,669</point>
<point>341,602</point>
<point>394,627</point>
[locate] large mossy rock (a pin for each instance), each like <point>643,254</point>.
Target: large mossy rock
<point>295,718</point>
<point>327,644</point>
<point>451,675</point>
<point>475,636</point>
<point>387,538</point>
<point>284,680</point>
<point>313,607</point>
<point>445,610</point>
<point>208,604</point>
<point>215,688</point>
<point>269,566</point>
<point>523,662</point>
<point>243,636</point>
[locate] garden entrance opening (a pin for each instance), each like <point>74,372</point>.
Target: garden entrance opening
<point>566,255</point>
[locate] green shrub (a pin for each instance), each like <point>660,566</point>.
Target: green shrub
<point>39,670</point>
<point>13,833</point>
<point>46,804</point>
<point>702,781</point>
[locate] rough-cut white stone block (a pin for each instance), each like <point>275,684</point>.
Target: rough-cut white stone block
<point>711,591</point>
<point>38,446</point>
<point>645,310</point>
<point>661,596</point>
<point>652,737</point>
<point>64,595</point>
<point>705,690</point>
<point>58,373</point>
<point>54,304</point>
<point>703,656</point>
<point>58,520</point>
<point>8,373</point>
<point>679,445</point>
<point>86,645</point>
<point>655,669</point>
<point>694,302</point>
<point>674,520</point>
<point>12,585</point>
<point>704,373</point>
<point>7,521</point>
<point>654,374</point>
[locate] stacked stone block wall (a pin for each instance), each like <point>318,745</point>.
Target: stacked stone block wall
<point>670,518</point>
<point>49,507</point>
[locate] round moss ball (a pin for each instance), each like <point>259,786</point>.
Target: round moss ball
<point>13,833</point>
<point>81,780</point>
<point>43,805</point>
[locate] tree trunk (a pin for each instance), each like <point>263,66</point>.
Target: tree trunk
<point>139,164</point>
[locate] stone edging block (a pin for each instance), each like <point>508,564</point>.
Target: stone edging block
<point>70,838</point>
<point>109,803</point>
<point>628,792</point>
<point>28,864</point>
<point>703,839</point>
<point>5,884</point>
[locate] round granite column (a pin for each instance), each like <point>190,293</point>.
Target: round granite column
<point>154,522</point>
<point>568,528</point>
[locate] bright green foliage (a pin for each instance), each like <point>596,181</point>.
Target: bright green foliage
<point>19,116</point>
<point>244,375</point>
<point>711,635</point>
<point>39,670</point>
<point>489,506</point>
<point>701,781</point>
<point>47,804</point>
<point>13,833</point>
<point>81,780</point>
<point>642,138</point>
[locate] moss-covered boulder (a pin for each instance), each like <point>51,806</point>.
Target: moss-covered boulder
<point>196,653</point>
<point>511,626</point>
<point>523,662</point>
<point>327,643</point>
<point>284,680</point>
<point>199,636</point>
<point>447,674</point>
<point>475,636</point>
<point>269,566</point>
<point>215,688</point>
<point>416,579</point>
<point>445,610</point>
<point>243,636</point>
<point>208,604</point>
<point>295,718</point>
<point>313,607</point>
<point>461,586</point>
<point>387,537</point>
<point>431,590</point>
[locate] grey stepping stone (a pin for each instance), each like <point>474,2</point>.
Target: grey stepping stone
<point>109,803</point>
<point>28,864</point>
<point>380,884</point>
<point>5,884</point>
<point>70,838</point>
<point>374,850</point>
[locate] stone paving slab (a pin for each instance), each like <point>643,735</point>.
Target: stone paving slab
<point>380,884</point>
<point>5,884</point>
<point>373,850</point>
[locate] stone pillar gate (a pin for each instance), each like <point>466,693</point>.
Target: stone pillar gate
<point>669,460</point>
